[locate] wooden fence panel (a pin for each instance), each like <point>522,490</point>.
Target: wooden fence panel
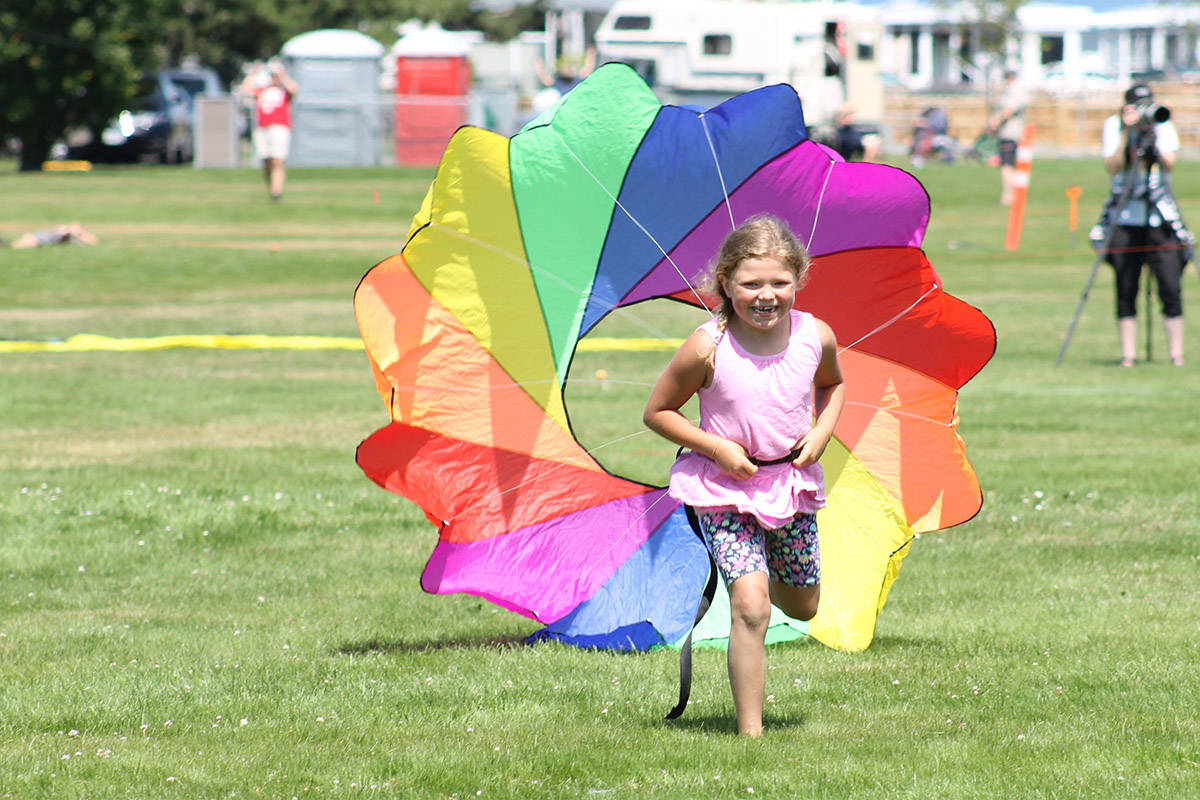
<point>1066,125</point>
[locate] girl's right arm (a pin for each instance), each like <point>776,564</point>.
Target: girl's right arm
<point>688,371</point>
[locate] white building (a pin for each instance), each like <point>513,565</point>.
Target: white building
<point>928,45</point>
<point>1067,47</point>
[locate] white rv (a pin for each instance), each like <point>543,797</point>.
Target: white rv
<point>704,51</point>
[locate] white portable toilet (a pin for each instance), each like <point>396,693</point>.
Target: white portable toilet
<point>336,115</point>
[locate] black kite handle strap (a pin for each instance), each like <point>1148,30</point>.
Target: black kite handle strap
<point>685,653</point>
<point>767,462</point>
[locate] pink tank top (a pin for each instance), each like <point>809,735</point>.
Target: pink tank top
<point>763,403</point>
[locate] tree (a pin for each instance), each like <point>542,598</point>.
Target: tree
<point>996,23</point>
<point>70,63</point>
<point>225,34</point>
<point>67,63</point>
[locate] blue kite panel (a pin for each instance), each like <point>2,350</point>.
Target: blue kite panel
<point>674,181</point>
<point>647,589</point>
<point>636,637</point>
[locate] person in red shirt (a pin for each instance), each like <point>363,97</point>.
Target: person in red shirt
<point>272,90</point>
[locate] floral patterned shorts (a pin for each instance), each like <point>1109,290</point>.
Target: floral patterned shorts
<point>740,545</point>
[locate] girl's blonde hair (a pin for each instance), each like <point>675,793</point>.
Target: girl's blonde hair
<point>761,236</point>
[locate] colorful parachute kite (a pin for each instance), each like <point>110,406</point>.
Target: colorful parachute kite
<point>610,198</point>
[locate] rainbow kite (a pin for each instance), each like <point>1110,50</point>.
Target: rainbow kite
<point>610,198</point>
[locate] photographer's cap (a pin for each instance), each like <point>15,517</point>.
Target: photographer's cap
<point>1138,94</point>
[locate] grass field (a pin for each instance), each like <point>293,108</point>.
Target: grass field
<point>201,596</point>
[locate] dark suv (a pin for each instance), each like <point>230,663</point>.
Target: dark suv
<point>158,127</point>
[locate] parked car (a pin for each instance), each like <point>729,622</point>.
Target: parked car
<point>159,127</point>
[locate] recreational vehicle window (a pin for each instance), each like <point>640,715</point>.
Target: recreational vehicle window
<point>632,24</point>
<point>718,44</point>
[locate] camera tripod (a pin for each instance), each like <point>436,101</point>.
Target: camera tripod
<point>1112,213</point>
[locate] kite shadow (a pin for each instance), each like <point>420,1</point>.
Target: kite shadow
<point>409,646</point>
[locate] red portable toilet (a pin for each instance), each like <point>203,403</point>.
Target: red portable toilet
<point>433,81</point>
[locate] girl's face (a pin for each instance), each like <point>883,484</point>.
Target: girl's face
<point>761,291</point>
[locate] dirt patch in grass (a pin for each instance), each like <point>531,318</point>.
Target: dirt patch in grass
<point>251,310</point>
<point>56,449</point>
<point>287,237</point>
<point>302,245</point>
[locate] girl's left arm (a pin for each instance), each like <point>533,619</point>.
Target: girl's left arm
<point>829,395</point>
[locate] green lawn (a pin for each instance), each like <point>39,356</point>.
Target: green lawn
<point>201,595</point>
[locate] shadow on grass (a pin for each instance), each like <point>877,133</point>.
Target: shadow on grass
<point>377,645</point>
<point>726,723</point>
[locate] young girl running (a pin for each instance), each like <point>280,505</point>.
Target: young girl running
<point>762,371</point>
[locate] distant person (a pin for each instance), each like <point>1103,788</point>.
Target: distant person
<point>566,78</point>
<point>1009,124</point>
<point>931,136</point>
<point>272,90</point>
<point>61,234</point>
<point>1140,145</point>
<point>852,141</point>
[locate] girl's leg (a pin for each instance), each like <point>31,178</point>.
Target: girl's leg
<point>794,556</point>
<point>737,546</point>
<point>750,613</point>
<point>275,177</point>
<point>798,602</point>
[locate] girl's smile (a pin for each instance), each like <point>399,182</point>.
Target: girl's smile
<point>761,291</point>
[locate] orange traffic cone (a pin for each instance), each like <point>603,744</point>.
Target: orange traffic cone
<point>1016,212</point>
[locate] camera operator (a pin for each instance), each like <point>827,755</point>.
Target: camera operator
<point>1140,144</point>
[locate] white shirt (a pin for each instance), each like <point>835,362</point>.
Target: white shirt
<point>1165,136</point>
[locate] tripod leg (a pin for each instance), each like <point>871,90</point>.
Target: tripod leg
<point>1087,290</point>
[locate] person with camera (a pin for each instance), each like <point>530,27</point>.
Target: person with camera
<point>1141,223</point>
<point>272,90</point>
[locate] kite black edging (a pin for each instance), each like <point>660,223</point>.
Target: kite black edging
<point>685,652</point>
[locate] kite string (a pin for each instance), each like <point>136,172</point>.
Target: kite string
<point>891,321</point>
<point>663,495</point>
<point>820,200</point>
<point>494,386</point>
<point>717,163</point>
<point>635,221</point>
<point>558,466</point>
<point>893,411</point>
<point>812,235</point>
<point>604,554</point>
<point>457,234</point>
